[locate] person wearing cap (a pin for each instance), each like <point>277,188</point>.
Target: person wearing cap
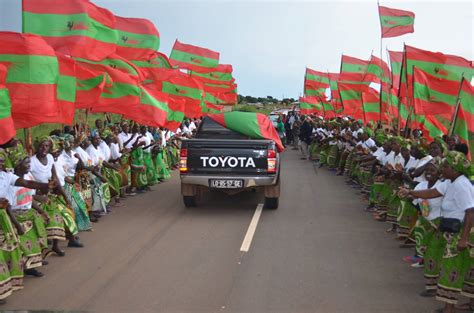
<point>456,265</point>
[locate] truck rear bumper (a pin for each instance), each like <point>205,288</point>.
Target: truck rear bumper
<point>248,181</point>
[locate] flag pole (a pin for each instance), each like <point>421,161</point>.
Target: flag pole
<point>456,110</point>
<point>381,65</point>
<point>389,94</point>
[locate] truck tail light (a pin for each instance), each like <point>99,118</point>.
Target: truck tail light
<point>183,161</point>
<point>272,161</point>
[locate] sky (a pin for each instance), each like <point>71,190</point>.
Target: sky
<point>270,43</point>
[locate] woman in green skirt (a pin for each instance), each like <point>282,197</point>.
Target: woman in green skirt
<point>457,210</point>
<point>61,218</point>
<point>161,164</point>
<point>33,242</point>
<point>139,178</point>
<point>151,174</point>
<point>11,258</point>
<point>66,166</point>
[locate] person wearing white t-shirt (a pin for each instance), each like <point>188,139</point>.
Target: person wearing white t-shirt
<point>434,151</point>
<point>192,126</point>
<point>426,228</point>
<point>66,166</point>
<point>9,181</point>
<point>148,143</point>
<point>457,194</point>
<point>42,169</point>
<point>28,212</point>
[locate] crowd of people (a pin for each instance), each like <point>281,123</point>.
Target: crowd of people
<point>423,190</point>
<point>70,179</point>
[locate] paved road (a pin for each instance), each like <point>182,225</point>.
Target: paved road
<point>319,252</point>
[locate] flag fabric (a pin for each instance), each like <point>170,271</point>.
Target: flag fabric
<point>138,39</point>
<point>396,22</point>
<point>448,67</point>
<point>396,60</point>
<point>329,108</point>
<point>194,58</point>
<point>440,65</point>
<point>219,86</point>
<point>75,27</point>
<point>121,93</point>
<point>154,109</point>
<point>353,65</point>
<point>351,97</point>
<point>311,105</point>
<point>7,127</point>
<point>253,125</point>
<point>335,97</point>
<point>222,74</point>
<point>464,119</point>
<point>434,95</point>
<point>65,92</point>
<point>431,127</point>
<point>91,80</point>
<point>32,77</point>
<point>315,83</point>
<point>156,60</point>
<point>377,71</point>
<point>371,105</point>
<point>183,87</point>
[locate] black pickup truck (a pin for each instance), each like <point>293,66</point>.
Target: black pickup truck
<point>221,159</point>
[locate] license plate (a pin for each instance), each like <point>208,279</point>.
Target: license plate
<point>226,183</point>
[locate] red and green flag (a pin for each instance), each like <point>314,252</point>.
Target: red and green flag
<point>434,95</point>
<point>156,60</point>
<point>182,87</point>
<point>32,77</point>
<point>330,108</point>
<point>353,65</point>
<point>432,128</point>
<point>449,67</point>
<point>311,105</point>
<point>194,58</point>
<point>138,39</point>
<point>315,83</point>
<point>253,125</point>
<point>222,74</point>
<point>463,124</point>
<point>121,92</point>
<point>371,105</point>
<point>65,92</point>
<point>75,27</point>
<point>335,97</point>
<point>351,97</point>
<point>7,127</point>
<point>90,82</point>
<point>396,61</point>
<point>154,109</point>
<point>395,22</point>
<point>377,71</point>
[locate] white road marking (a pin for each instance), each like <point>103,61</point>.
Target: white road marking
<point>252,227</point>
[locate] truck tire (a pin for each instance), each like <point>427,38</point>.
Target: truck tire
<point>271,203</point>
<point>189,201</point>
